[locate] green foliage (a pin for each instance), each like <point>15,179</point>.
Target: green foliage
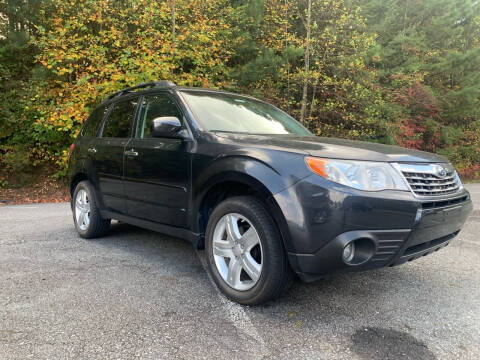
<point>16,144</point>
<point>428,61</point>
<point>396,72</point>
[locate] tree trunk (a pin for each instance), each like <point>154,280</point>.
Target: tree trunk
<point>307,63</point>
<point>173,21</point>
<point>286,55</point>
<point>312,104</point>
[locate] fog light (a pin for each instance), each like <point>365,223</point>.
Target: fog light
<point>349,252</point>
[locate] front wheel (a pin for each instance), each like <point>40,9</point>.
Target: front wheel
<point>89,223</point>
<point>244,252</point>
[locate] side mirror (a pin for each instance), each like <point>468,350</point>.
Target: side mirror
<point>165,126</point>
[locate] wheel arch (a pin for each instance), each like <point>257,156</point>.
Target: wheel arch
<point>234,183</point>
<point>78,177</point>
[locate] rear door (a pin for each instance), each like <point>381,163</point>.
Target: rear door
<point>157,170</point>
<point>108,154</point>
<point>88,137</point>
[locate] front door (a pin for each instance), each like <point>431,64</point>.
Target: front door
<point>157,170</point>
<point>108,154</point>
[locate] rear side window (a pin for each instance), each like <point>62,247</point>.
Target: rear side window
<point>92,124</point>
<point>154,106</point>
<point>120,120</point>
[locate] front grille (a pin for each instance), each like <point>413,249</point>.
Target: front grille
<point>443,203</point>
<point>419,250</point>
<point>428,245</point>
<point>428,184</point>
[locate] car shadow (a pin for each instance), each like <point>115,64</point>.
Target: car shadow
<point>362,287</point>
<point>151,251</point>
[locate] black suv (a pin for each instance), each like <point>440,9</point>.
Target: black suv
<point>263,196</point>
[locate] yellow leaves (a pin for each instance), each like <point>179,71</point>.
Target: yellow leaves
<point>203,38</point>
<point>64,70</point>
<point>103,49</point>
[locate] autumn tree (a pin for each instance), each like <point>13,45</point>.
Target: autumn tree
<point>342,97</point>
<point>429,64</point>
<point>90,48</point>
<point>397,72</point>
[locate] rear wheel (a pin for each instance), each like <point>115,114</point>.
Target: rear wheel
<point>88,221</point>
<point>244,252</point>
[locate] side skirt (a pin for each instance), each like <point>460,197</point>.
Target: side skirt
<point>186,234</point>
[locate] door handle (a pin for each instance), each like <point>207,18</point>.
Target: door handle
<point>131,153</point>
<point>92,150</point>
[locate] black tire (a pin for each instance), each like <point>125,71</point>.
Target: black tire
<point>276,274</point>
<point>98,226</point>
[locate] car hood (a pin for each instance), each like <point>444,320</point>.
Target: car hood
<point>332,147</point>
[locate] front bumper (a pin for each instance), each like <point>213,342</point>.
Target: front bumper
<point>397,226</point>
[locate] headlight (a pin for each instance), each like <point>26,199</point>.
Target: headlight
<point>363,175</point>
<point>460,185</point>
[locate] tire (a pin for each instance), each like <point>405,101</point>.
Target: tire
<point>275,274</point>
<point>96,225</point>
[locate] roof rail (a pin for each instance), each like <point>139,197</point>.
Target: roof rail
<point>162,83</point>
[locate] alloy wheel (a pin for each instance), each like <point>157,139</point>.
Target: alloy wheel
<point>237,251</point>
<point>82,210</point>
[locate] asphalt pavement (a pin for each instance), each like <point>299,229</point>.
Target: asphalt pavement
<point>139,294</point>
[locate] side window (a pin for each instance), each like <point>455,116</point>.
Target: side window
<point>120,119</point>
<point>90,128</point>
<point>154,106</point>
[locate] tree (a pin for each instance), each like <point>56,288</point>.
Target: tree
<point>403,72</point>
<point>308,27</point>
<point>430,55</point>
<point>96,47</point>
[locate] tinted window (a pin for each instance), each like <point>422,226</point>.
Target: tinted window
<point>120,119</point>
<point>90,128</point>
<point>154,106</point>
<point>231,113</point>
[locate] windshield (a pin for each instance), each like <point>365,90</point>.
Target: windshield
<point>230,113</point>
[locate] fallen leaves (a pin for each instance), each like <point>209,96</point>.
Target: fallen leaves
<point>45,191</point>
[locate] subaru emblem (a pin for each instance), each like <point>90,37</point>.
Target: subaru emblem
<point>440,170</point>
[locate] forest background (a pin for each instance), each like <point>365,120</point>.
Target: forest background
<point>404,72</point>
